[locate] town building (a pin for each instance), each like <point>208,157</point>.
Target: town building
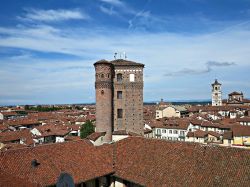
<point>119,97</point>
<point>236,98</point>
<point>170,111</point>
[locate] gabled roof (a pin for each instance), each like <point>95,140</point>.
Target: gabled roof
<point>10,136</point>
<point>94,136</point>
<point>235,93</point>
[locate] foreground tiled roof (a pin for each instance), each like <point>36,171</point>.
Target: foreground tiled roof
<point>152,162</point>
<point>148,162</point>
<point>78,158</point>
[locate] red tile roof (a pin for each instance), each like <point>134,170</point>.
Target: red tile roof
<point>11,136</point>
<point>94,136</point>
<point>240,130</point>
<point>78,158</point>
<point>151,162</point>
<point>244,119</point>
<point>148,162</point>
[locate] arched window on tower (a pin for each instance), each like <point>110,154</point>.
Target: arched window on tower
<point>119,77</point>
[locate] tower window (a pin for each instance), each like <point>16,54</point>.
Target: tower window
<point>119,113</point>
<point>119,94</point>
<point>102,76</point>
<point>132,77</point>
<point>119,77</point>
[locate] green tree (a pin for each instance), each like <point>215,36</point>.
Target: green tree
<point>87,129</point>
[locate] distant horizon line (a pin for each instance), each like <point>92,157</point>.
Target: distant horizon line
<point>92,103</point>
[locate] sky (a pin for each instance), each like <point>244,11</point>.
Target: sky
<point>47,48</point>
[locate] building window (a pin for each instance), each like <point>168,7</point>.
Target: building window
<point>170,131</point>
<point>102,75</point>
<point>158,131</point>
<point>119,77</point>
<point>132,77</point>
<point>119,113</point>
<point>102,92</point>
<point>175,132</point>
<point>119,94</point>
<point>163,131</point>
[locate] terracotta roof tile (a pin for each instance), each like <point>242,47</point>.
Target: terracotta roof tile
<point>78,158</point>
<point>151,162</point>
<point>147,162</point>
<point>94,136</point>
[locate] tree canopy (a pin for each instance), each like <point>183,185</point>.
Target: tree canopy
<point>87,129</point>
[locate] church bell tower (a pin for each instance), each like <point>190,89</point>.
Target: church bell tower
<point>216,94</point>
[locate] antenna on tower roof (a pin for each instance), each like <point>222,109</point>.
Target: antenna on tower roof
<point>125,55</point>
<point>122,55</point>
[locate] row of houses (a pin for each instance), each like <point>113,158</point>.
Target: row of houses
<point>43,127</point>
<point>235,132</point>
<point>214,112</point>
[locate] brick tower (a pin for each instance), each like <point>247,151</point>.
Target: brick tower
<point>128,96</point>
<point>104,95</point>
<point>119,97</point>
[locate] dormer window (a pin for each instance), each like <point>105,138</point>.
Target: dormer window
<point>119,77</point>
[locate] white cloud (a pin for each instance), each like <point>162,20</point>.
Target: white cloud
<point>110,11</point>
<point>209,66</point>
<point>161,52</point>
<point>114,2</point>
<point>53,15</point>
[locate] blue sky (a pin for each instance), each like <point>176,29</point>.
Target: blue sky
<point>47,48</point>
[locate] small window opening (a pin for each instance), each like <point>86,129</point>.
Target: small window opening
<point>119,77</point>
<point>119,94</point>
<point>119,113</point>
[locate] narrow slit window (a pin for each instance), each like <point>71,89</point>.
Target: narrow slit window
<point>119,94</point>
<point>119,113</point>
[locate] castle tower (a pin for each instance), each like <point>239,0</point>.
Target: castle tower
<point>216,94</point>
<point>104,95</point>
<point>119,97</point>
<point>128,96</point>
